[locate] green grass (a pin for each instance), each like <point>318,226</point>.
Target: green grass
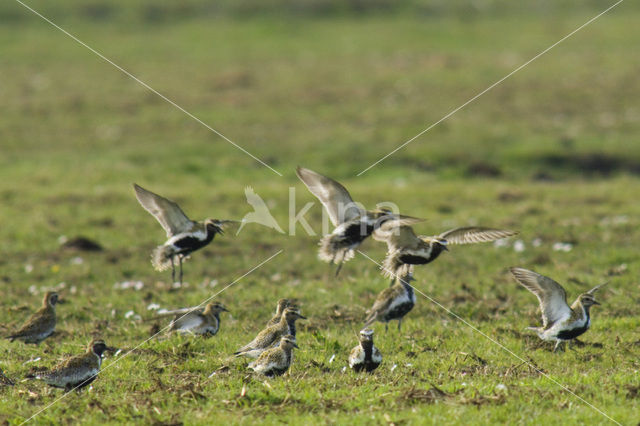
<point>552,152</point>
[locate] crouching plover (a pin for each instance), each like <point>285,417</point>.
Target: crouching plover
<point>560,322</point>
<point>275,361</point>
<point>199,321</point>
<point>365,356</point>
<point>41,324</point>
<point>77,371</point>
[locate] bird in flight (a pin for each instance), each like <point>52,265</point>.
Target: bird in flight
<point>405,248</point>
<point>560,322</point>
<point>184,235</point>
<point>353,224</point>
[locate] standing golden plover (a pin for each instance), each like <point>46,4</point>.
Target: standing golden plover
<point>352,223</point>
<point>199,321</point>
<point>365,356</point>
<point>272,334</point>
<point>184,235</point>
<point>560,322</point>
<point>393,303</point>
<point>77,371</point>
<point>405,248</point>
<point>41,324</point>
<point>275,361</point>
<point>280,307</point>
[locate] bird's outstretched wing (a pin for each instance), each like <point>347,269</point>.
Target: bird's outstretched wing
<point>593,290</point>
<point>167,212</point>
<point>333,196</point>
<point>552,297</point>
<point>396,235</point>
<point>475,234</point>
<point>382,303</point>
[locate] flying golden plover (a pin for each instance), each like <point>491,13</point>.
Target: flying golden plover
<point>352,223</point>
<point>199,321</point>
<point>365,356</point>
<point>77,371</point>
<point>560,322</point>
<point>41,324</point>
<point>184,235</point>
<point>275,361</point>
<point>272,334</point>
<point>405,248</point>
<point>393,303</point>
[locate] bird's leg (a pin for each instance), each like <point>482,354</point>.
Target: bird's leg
<point>399,324</point>
<point>173,271</point>
<point>558,346</point>
<point>339,266</point>
<point>386,327</point>
<point>180,259</point>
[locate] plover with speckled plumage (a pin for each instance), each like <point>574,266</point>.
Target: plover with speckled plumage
<point>560,322</point>
<point>184,235</point>
<point>41,324</point>
<point>204,322</point>
<point>272,334</point>
<point>365,356</point>
<point>393,303</point>
<point>277,360</point>
<point>77,371</point>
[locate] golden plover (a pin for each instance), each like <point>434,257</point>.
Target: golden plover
<point>352,223</point>
<point>272,334</point>
<point>365,356</point>
<point>280,307</point>
<point>41,324</point>
<point>184,235</point>
<point>560,322</point>
<point>77,371</point>
<point>275,361</point>
<point>199,321</point>
<point>393,303</point>
<point>405,248</point>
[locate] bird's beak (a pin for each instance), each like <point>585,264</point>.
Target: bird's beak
<point>301,317</point>
<point>225,309</point>
<point>111,349</point>
<point>596,303</point>
<point>60,301</point>
<point>296,346</point>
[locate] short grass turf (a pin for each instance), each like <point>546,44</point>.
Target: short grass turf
<point>552,152</point>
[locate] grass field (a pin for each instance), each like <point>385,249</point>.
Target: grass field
<point>553,152</point>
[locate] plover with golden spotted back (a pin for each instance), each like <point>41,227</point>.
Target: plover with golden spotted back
<point>365,356</point>
<point>560,322</point>
<point>275,361</point>
<point>77,371</point>
<point>280,307</point>
<point>41,324</point>
<point>405,248</point>
<point>184,235</point>
<point>199,321</point>
<point>393,303</point>
<point>272,334</point>
<point>352,223</point>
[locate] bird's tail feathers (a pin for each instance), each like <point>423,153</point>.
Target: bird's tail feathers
<point>161,258</point>
<point>330,251</point>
